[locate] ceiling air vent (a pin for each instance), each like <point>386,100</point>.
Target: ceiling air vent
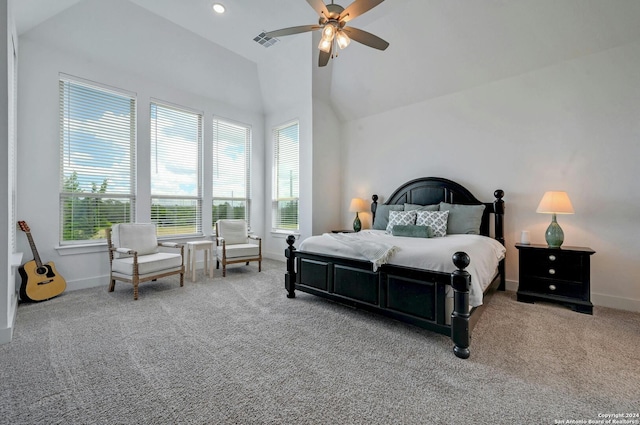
<point>264,40</point>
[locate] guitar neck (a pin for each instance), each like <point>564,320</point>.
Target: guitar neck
<point>34,250</point>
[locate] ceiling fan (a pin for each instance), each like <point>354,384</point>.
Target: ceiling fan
<point>332,22</point>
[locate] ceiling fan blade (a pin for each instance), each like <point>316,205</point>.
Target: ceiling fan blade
<point>324,57</point>
<point>366,38</point>
<point>319,7</point>
<point>357,8</point>
<point>292,30</point>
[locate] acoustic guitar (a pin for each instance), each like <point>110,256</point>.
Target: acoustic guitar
<point>40,282</point>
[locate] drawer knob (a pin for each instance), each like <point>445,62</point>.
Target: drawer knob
<point>552,287</point>
<point>552,271</point>
<point>552,258</point>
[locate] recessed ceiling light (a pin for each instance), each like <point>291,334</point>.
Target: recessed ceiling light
<point>218,8</point>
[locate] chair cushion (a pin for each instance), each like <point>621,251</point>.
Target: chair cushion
<point>140,237</point>
<point>239,250</point>
<point>152,263</point>
<point>233,231</point>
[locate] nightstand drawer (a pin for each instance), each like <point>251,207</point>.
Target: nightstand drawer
<point>553,287</point>
<point>553,265</point>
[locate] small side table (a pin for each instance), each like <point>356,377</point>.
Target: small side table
<point>560,275</point>
<point>192,254</point>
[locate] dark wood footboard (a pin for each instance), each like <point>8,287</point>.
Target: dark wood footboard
<point>410,295</point>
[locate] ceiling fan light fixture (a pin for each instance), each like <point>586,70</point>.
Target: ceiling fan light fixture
<point>329,31</point>
<point>342,39</point>
<point>325,45</point>
<point>332,25</point>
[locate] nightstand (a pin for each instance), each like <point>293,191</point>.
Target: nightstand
<point>560,275</point>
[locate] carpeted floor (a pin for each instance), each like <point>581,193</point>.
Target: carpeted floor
<point>236,350</point>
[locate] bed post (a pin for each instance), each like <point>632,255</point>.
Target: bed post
<point>498,208</point>
<point>290,277</point>
<point>461,282</point>
<point>374,207</point>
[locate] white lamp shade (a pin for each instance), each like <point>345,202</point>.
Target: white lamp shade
<point>555,202</point>
<point>357,205</point>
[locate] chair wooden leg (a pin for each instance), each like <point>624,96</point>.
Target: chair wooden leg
<point>224,269</point>
<point>181,279</point>
<point>193,265</point>
<point>210,262</point>
<point>135,291</point>
<point>259,266</point>
<point>112,285</point>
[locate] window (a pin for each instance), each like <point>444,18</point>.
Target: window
<point>97,157</point>
<point>286,175</point>
<point>176,155</point>
<point>231,170</point>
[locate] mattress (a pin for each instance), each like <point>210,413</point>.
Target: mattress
<point>422,253</point>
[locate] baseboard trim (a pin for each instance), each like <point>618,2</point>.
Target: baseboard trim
<point>619,303</point>
<point>92,282</point>
<point>6,334</point>
<point>512,285</point>
<point>273,256</point>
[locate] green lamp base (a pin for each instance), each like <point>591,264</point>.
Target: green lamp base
<point>357,225</point>
<point>554,234</point>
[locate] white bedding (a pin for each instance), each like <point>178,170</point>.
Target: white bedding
<point>428,254</point>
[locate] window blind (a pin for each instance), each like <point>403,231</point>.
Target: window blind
<point>97,159</point>
<point>176,155</point>
<point>286,175</point>
<point>231,170</point>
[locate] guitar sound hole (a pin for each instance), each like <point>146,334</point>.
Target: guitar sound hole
<point>42,270</point>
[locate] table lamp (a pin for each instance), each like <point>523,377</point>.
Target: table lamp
<point>555,202</point>
<point>357,205</point>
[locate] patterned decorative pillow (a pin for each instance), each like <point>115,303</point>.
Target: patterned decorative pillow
<point>437,220</point>
<point>400,217</point>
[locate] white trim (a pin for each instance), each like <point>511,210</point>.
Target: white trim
<point>116,90</point>
<point>619,303</point>
<point>6,334</point>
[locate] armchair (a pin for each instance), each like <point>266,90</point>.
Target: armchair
<point>233,244</point>
<point>134,256</point>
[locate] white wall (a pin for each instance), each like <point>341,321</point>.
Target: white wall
<point>327,169</point>
<point>327,148</point>
<point>285,81</point>
<point>574,126</point>
<point>164,62</point>
<point>8,296</point>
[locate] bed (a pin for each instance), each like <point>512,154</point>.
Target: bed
<point>408,284</point>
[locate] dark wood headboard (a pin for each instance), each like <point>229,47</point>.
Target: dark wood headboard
<point>433,190</point>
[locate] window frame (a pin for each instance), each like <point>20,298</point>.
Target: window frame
<point>278,133</point>
<point>69,88</point>
<point>248,142</point>
<point>197,199</point>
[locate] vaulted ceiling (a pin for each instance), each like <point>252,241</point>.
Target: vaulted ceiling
<point>437,47</point>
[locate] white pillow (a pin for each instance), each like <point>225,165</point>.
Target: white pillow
<point>234,231</point>
<point>140,237</point>
<point>400,217</point>
<point>437,220</point>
